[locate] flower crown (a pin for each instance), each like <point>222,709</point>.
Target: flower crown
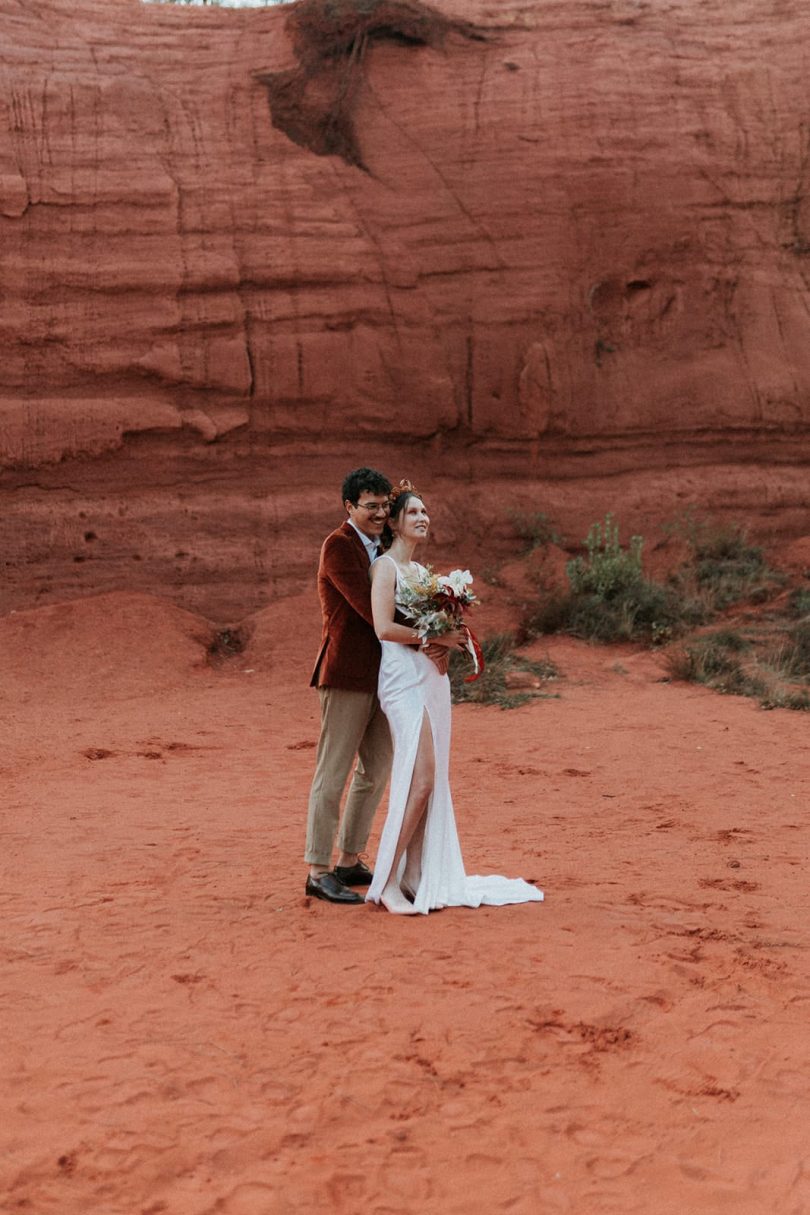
<point>404,487</point>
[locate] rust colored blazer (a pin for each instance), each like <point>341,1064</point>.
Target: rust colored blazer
<point>349,656</point>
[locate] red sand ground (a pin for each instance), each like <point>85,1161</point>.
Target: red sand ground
<point>184,1032</point>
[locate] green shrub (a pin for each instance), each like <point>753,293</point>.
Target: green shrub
<point>707,660</point>
<point>716,661</point>
<point>786,698</point>
<point>609,599</point>
<point>608,570</point>
<point>729,580</point>
<point>723,542</point>
<point>725,568</point>
<point>491,687</point>
<point>729,639</point>
<point>793,659</point>
<point>799,602</point>
<point>645,610</point>
<point>535,529</point>
<point>548,614</point>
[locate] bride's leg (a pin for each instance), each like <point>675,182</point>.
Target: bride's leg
<point>413,820</point>
<point>413,857</point>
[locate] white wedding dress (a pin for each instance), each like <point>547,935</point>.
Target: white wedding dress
<point>410,686</point>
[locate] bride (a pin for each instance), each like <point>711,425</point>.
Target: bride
<point>419,866</point>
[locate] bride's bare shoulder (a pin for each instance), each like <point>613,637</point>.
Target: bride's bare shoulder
<point>383,568</point>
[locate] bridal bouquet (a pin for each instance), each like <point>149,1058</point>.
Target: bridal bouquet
<point>436,603</point>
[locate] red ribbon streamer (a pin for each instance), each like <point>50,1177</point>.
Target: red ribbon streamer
<point>476,654</point>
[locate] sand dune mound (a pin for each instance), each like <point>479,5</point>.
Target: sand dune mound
<point>104,646</point>
<point>283,637</point>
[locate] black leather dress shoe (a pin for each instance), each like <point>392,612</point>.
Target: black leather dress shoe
<point>327,886</point>
<point>357,874</point>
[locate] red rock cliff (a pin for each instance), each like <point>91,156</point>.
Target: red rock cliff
<point>538,228</point>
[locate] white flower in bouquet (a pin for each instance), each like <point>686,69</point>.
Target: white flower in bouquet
<point>435,604</point>
<point>457,581</point>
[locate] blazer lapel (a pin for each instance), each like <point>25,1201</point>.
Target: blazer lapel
<point>349,531</point>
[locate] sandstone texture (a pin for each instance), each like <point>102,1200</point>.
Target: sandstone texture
<point>520,240</point>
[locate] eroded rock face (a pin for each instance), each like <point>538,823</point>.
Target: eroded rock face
<point>315,103</point>
<point>558,230</point>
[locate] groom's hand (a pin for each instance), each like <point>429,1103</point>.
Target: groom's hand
<point>439,656</point>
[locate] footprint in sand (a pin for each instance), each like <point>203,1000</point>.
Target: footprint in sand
<point>658,1000</point>
<point>598,1038</point>
<point>734,835</point>
<point>706,1088</point>
<point>739,885</point>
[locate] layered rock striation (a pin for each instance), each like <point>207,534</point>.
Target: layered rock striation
<point>542,230</point>
<point>563,219</point>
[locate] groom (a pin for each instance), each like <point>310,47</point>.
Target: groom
<point>352,722</point>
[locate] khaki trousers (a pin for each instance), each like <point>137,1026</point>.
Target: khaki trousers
<point>352,724</point>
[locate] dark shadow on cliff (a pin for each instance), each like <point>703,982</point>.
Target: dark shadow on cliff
<point>313,103</point>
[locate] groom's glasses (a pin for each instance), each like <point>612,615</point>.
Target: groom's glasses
<point>375,508</point>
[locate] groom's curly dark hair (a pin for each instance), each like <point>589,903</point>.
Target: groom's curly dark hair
<point>364,480</point>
